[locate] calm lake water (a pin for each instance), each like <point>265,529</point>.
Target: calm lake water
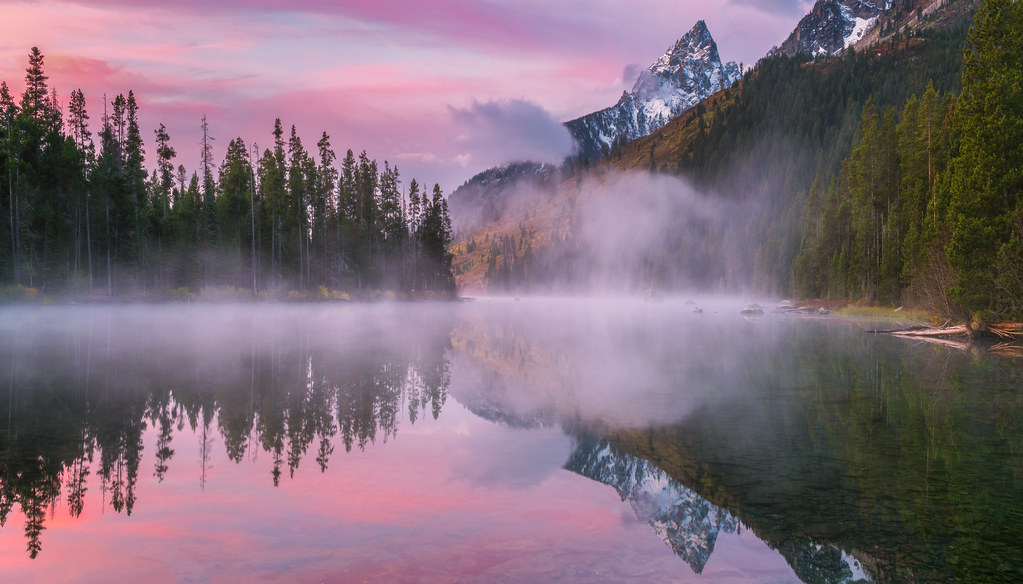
<point>500,441</point>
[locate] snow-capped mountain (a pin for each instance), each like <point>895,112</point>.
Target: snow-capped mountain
<point>831,26</point>
<point>689,72</point>
<point>687,522</point>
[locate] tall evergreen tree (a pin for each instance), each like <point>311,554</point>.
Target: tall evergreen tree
<point>35,102</point>
<point>297,211</point>
<point>9,116</point>
<point>135,179</point>
<point>165,154</point>
<point>324,205</point>
<point>83,152</point>
<point>986,248</point>
<point>233,208</point>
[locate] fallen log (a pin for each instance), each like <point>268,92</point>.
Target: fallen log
<point>1007,330</point>
<point>960,337</point>
<point>925,331</point>
<point>942,332</point>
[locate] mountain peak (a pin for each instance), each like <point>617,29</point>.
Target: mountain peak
<point>687,73</point>
<point>697,44</point>
<point>699,33</point>
<point>699,30</point>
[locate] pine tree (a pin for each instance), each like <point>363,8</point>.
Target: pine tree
<point>78,128</point>
<point>986,247</point>
<point>35,101</point>
<point>347,198</point>
<point>326,217</point>
<point>208,225</point>
<point>108,180</point>
<point>435,233</point>
<point>233,208</point>
<point>135,179</point>
<point>165,154</point>
<point>272,184</point>
<point>391,212</point>
<point>9,116</point>
<point>296,206</point>
<point>414,218</point>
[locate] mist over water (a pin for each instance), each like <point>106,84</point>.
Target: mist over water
<point>585,439</point>
<point>616,361</point>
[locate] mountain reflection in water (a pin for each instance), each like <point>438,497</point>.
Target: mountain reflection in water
<point>853,456</point>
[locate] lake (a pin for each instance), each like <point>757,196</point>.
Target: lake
<point>542,440</point>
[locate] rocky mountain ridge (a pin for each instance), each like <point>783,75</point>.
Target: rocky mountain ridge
<point>832,26</point>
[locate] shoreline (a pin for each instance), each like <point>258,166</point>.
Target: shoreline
<point>1002,338</point>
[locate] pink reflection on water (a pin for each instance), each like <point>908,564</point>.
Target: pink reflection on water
<point>433,504</point>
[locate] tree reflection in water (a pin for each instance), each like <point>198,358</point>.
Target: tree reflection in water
<point>847,453</point>
<point>82,393</point>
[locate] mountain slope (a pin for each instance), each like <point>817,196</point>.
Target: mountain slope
<point>758,145</point>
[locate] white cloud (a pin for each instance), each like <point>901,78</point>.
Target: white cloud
<point>499,132</point>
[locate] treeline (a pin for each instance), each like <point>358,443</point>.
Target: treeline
<point>86,217</point>
<point>876,230</point>
<point>928,205</point>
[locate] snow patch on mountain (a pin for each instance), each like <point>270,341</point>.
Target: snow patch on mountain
<point>860,28</point>
<point>690,524</point>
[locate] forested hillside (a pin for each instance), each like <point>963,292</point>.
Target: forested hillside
<point>787,129</point>
<point>88,218</point>
<point>890,175</point>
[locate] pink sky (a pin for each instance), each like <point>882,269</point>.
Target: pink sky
<point>443,89</point>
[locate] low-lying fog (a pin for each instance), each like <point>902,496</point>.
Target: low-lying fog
<point>535,361</point>
<point>619,232</point>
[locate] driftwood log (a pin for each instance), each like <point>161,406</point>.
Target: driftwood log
<point>961,337</point>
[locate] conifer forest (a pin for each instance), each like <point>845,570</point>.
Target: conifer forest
<point>89,215</point>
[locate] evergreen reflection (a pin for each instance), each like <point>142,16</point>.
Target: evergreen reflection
<point>851,454</point>
<point>82,394</point>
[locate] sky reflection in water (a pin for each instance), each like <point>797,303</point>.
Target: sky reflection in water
<point>523,391</point>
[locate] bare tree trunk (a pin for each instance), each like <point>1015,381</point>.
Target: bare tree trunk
<point>13,207</point>
<point>88,238</point>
